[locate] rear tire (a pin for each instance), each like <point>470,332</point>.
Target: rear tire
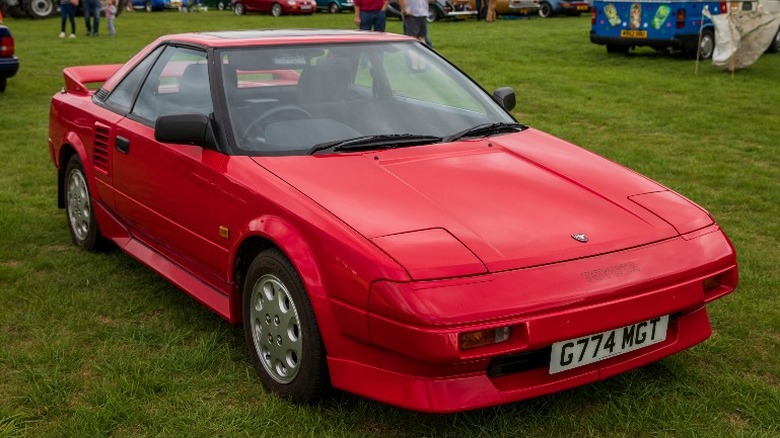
<point>238,9</point>
<point>281,332</point>
<point>148,6</point>
<point>707,44</point>
<point>3,81</point>
<point>334,8</point>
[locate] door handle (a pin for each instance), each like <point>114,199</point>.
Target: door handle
<point>122,144</point>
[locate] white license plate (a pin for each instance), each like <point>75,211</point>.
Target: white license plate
<point>593,348</point>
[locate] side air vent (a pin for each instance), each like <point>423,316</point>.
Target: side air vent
<point>100,149</point>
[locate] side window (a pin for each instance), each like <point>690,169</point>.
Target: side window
<point>178,83</point>
<point>121,98</point>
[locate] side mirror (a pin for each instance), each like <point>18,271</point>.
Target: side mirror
<point>505,96</point>
<point>192,129</point>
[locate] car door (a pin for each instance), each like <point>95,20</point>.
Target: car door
<point>166,192</point>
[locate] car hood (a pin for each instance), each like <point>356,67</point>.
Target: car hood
<point>489,205</point>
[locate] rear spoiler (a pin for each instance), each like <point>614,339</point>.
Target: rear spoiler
<point>77,78</point>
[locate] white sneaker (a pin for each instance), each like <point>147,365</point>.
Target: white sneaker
<point>62,34</point>
<point>73,35</point>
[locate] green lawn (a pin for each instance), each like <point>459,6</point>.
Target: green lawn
<point>96,344</point>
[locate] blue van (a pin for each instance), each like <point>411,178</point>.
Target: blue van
<point>621,25</point>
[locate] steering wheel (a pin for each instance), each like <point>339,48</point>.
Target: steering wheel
<point>271,113</point>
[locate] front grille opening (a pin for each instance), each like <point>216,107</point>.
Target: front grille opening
<point>520,362</point>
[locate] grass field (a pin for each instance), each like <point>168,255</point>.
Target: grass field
<point>97,345</point>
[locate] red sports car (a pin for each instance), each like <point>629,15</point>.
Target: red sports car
<point>378,222</point>
<point>275,7</point>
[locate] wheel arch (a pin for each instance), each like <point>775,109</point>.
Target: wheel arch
<point>274,232</point>
<point>71,146</point>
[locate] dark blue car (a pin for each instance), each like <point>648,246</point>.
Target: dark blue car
<point>335,6</point>
<point>9,63</point>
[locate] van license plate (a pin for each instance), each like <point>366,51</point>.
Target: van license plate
<point>593,348</point>
<point>633,34</point>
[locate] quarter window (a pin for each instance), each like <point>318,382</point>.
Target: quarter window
<point>177,84</point>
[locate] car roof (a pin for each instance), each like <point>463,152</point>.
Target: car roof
<point>238,38</point>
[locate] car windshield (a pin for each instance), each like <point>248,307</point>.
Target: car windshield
<point>301,99</point>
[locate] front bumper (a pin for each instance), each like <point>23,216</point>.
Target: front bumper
<point>416,325</point>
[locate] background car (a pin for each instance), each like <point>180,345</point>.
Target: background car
<point>156,5</point>
<point>439,10</point>
<point>335,6</point>
<point>274,7</point>
<point>9,63</point>
<point>511,7</point>
<point>548,8</point>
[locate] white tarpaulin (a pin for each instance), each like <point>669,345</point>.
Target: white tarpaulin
<point>741,37</point>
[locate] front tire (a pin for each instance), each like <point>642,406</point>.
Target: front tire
<point>238,9</point>
<point>281,332</point>
<point>276,10</point>
<point>433,14</point>
<point>78,207</point>
<point>334,8</point>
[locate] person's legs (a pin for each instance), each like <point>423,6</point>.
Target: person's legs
<point>63,19</point>
<point>72,17</point>
<point>95,5</point>
<point>367,20</point>
<point>379,23</point>
<point>87,13</point>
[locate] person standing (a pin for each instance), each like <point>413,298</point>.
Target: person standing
<point>68,12</point>
<point>92,9</point>
<point>415,15</point>
<point>481,9</point>
<point>370,14</point>
<point>111,16</point>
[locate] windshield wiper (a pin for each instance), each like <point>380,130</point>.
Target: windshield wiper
<point>485,129</point>
<point>379,141</point>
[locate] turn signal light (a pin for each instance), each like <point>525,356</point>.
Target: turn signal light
<point>483,337</point>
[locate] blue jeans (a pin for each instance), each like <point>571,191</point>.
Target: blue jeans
<point>68,12</point>
<point>372,20</point>
<point>92,9</point>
